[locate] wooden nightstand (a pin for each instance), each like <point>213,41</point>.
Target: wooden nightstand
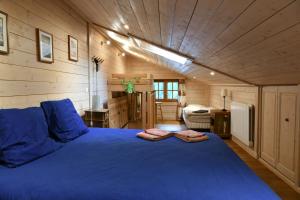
<point>220,123</point>
<point>97,118</point>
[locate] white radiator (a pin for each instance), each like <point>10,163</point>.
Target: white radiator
<point>242,122</point>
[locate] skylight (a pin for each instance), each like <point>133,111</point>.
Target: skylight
<point>161,52</point>
<point>140,44</point>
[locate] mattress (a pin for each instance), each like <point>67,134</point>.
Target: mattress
<point>113,164</point>
<point>197,120</point>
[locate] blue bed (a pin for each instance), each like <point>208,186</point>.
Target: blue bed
<point>112,164</point>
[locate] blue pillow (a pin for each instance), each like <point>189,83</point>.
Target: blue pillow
<point>63,120</point>
<point>24,136</point>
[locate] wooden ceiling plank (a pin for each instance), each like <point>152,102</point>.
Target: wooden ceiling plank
<point>166,14</point>
<point>281,21</point>
<point>90,11</point>
<point>226,13</point>
<point>153,18</point>
<point>256,14</point>
<point>265,50</point>
<point>127,13</point>
<point>183,14</point>
<point>205,9</point>
<point>112,8</point>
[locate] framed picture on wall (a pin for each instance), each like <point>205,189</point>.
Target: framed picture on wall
<point>44,46</point>
<point>3,33</point>
<point>73,48</point>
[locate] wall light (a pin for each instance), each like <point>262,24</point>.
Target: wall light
<point>122,54</point>
<point>212,73</point>
<point>126,26</point>
<point>107,42</point>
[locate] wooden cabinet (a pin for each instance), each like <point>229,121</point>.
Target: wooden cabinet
<point>269,121</point>
<point>97,118</point>
<point>279,132</point>
<point>221,123</point>
<point>118,112</point>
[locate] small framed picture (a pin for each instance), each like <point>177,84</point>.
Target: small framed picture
<point>73,48</point>
<point>4,49</point>
<point>44,46</point>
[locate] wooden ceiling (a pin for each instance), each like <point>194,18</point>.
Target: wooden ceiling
<point>257,41</point>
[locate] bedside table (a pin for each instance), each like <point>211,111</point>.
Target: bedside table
<point>97,118</point>
<point>220,123</point>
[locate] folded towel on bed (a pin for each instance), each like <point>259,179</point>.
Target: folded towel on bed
<point>191,136</point>
<point>192,139</point>
<point>158,132</point>
<point>190,133</point>
<point>151,137</point>
<point>154,134</point>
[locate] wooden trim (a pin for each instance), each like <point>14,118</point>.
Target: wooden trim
<point>38,46</point>
<point>69,49</point>
<point>277,173</point>
<point>297,146</point>
<point>243,146</point>
<point>269,85</point>
<point>122,76</point>
<point>7,39</point>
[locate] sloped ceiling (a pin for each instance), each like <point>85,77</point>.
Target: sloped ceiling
<point>256,41</point>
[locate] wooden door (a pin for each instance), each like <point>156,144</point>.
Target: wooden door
<point>269,124</point>
<point>287,131</point>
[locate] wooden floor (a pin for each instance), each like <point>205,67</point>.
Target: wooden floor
<point>278,186</point>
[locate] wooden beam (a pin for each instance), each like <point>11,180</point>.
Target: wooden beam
<point>122,76</point>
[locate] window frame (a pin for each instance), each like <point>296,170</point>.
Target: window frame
<point>165,81</point>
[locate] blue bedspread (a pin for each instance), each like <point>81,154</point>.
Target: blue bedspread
<point>112,164</point>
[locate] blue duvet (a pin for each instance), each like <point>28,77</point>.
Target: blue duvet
<point>112,164</point>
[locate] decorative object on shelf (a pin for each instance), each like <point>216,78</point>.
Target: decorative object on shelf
<point>44,46</point>
<point>128,86</point>
<point>224,94</point>
<point>3,33</point>
<point>73,48</point>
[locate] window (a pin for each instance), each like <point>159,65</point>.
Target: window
<point>166,90</point>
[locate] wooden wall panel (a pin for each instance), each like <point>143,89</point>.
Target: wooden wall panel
<point>113,63</point>
<point>197,92</point>
<point>26,82</point>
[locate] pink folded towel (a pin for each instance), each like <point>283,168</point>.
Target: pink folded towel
<point>190,134</point>
<point>158,132</point>
<point>154,134</point>
<point>150,137</point>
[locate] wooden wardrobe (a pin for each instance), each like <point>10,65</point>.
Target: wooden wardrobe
<point>280,130</point>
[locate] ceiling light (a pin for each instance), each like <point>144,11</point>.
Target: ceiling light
<point>161,52</point>
<point>126,26</point>
<point>108,42</point>
<point>212,73</point>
